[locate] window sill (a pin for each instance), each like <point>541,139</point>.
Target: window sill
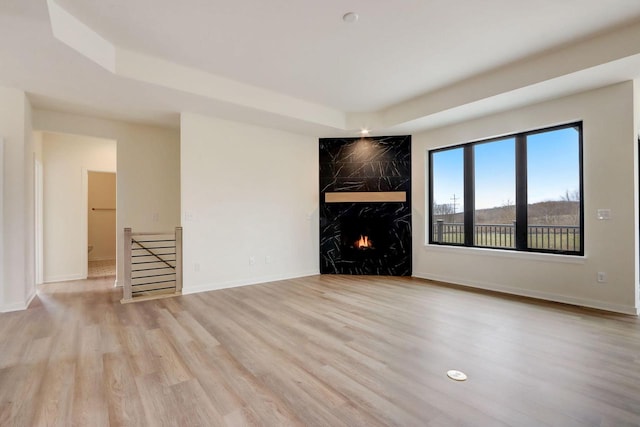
<point>501,253</point>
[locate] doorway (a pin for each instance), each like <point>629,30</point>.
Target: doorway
<point>101,224</point>
<point>67,160</point>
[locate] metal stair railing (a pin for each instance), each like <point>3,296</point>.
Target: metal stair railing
<point>152,264</point>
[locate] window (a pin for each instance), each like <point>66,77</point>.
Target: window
<point>447,210</point>
<point>520,192</point>
<point>495,193</point>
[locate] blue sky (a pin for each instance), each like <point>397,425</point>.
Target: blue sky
<point>552,162</point>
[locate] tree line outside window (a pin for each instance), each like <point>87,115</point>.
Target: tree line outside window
<point>521,192</point>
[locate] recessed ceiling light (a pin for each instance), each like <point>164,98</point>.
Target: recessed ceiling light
<point>350,17</point>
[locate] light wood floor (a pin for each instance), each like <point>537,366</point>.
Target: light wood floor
<point>318,351</point>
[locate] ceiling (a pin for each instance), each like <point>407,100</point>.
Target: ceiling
<point>295,64</point>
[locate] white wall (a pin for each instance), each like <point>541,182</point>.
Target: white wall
<point>148,176</point>
<point>16,278</point>
<point>67,159</point>
<point>609,182</point>
<point>247,191</point>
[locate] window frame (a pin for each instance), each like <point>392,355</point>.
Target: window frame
<point>521,227</point>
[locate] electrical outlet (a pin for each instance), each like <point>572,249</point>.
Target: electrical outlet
<point>601,277</point>
<point>252,260</point>
<point>196,267</point>
<point>267,259</point>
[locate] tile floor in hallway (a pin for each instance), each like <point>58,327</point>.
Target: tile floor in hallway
<point>100,269</point>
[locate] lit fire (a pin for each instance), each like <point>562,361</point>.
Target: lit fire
<point>363,243</point>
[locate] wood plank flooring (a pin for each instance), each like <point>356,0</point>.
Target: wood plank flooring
<point>317,351</point>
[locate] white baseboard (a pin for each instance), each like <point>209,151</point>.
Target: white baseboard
<point>18,306</point>
<point>581,302</point>
<point>30,298</point>
<point>109,258</point>
<point>64,278</point>
<point>248,282</point>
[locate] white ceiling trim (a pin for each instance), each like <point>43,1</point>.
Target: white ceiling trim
<point>592,63</point>
<point>78,36</point>
<point>160,72</point>
<point>133,65</point>
<point>466,99</point>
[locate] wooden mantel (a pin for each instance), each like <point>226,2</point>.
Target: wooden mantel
<point>366,197</point>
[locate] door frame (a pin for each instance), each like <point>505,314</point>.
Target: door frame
<point>39,220</point>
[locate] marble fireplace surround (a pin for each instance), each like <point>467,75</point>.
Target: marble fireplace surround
<point>365,187</point>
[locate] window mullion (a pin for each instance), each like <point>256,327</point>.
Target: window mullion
<point>521,193</point>
<point>469,195</point>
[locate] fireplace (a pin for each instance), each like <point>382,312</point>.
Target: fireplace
<point>365,206</point>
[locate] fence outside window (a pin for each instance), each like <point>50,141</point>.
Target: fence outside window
<point>552,237</point>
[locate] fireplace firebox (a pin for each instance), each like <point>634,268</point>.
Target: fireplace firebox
<point>363,237</point>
